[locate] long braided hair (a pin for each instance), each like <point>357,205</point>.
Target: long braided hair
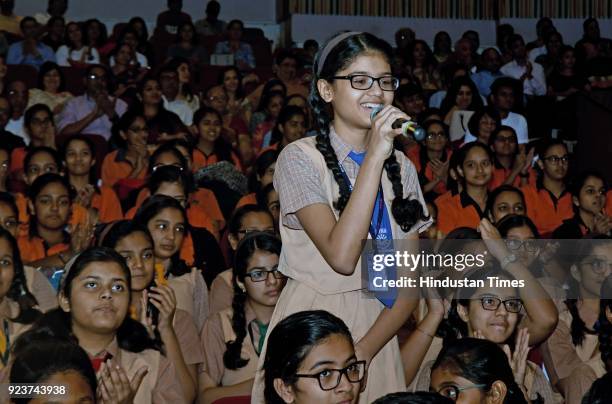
<point>406,212</point>
<point>259,241</point>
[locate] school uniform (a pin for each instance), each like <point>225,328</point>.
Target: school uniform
<point>201,160</point>
<point>9,332</point>
<point>458,210</point>
<point>160,384</point>
<point>221,292</point>
<point>248,199</point>
<point>41,289</point>
<point>573,228</point>
<point>217,332</point>
<point>203,199</point>
<point>426,174</point>
<point>572,369</point>
<point>500,174</point>
<point>35,248</point>
<point>546,210</point>
<point>191,295</point>
<point>116,167</point>
<point>106,202</point>
<point>302,179</point>
<point>195,217</point>
<point>78,214</point>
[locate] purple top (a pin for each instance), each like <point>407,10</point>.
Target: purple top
<point>79,107</point>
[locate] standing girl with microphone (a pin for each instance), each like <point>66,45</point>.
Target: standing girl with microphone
<point>339,188</point>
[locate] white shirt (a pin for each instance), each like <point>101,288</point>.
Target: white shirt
<point>16,128</point>
<point>140,58</point>
<point>180,108</point>
<point>513,120</point>
<point>63,55</point>
<point>534,86</point>
<point>535,52</point>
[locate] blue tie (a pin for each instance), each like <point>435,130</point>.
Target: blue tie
<point>382,243</point>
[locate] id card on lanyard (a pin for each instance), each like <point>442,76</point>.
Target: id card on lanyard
<point>381,243</point>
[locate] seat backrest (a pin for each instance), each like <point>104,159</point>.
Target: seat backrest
<point>75,77</point>
<point>26,73</point>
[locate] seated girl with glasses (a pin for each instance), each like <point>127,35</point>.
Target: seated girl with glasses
<point>233,338</point>
<point>491,311</point>
<point>540,256</point>
<point>512,166</point>
<point>494,314</point>
<point>473,371</point>
<point>548,200</point>
<point>311,359</point>
<point>571,353</point>
<point>246,219</point>
<point>588,191</point>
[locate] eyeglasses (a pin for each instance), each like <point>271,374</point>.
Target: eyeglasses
<point>157,166</point>
<point>260,275</point>
<point>10,223</point>
<point>599,266</point>
<point>364,82</point>
<point>515,244</point>
<point>492,303</point>
<point>453,391</point>
<point>555,160</point>
<point>329,379</point>
<point>96,77</point>
<point>436,135</point>
<point>220,98</point>
<point>247,231</point>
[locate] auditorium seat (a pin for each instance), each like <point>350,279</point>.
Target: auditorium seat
<point>26,73</point>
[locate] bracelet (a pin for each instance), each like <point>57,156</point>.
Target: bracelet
<point>426,333</point>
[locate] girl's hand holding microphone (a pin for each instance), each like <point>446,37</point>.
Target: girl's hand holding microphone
<point>383,131</point>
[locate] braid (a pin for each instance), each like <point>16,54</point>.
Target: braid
<point>578,327</point>
<point>605,341</point>
<point>453,327</point>
<point>324,146</point>
<point>406,212</point>
<point>231,357</point>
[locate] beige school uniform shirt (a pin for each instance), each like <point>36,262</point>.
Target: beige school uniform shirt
<point>217,332</point>
<point>572,369</point>
<point>221,292</point>
<point>302,179</point>
<point>191,295</point>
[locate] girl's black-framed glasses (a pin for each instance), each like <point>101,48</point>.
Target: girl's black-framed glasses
<point>329,379</point>
<point>365,82</point>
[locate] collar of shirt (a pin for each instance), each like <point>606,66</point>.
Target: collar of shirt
<point>341,149</point>
<point>540,187</point>
<point>466,200</point>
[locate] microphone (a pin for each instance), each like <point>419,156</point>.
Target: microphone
<point>409,128</point>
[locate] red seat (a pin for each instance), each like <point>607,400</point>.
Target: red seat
<point>75,79</point>
<point>26,73</point>
<point>209,42</point>
<point>100,144</point>
<point>262,50</point>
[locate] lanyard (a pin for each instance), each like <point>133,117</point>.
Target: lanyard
<point>5,355</point>
<point>380,201</point>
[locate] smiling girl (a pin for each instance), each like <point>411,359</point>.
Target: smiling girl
<point>311,358</point>
<point>211,147</point>
<point>339,188</point>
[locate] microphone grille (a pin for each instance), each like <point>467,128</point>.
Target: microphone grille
<point>375,112</point>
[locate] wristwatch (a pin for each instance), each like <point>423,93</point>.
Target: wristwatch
<point>507,260</point>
